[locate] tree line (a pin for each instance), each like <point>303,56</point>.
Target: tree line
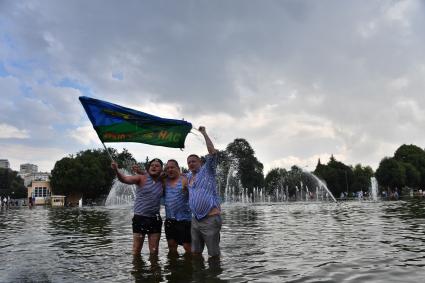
<point>88,172</point>
<point>11,184</point>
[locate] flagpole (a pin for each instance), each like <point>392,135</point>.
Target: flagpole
<point>107,151</point>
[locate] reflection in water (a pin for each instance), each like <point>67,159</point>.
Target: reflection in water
<point>144,272</point>
<point>297,242</point>
<point>410,220</point>
<point>184,268</point>
<point>178,268</point>
<point>74,220</point>
<point>200,272</point>
<point>68,226</point>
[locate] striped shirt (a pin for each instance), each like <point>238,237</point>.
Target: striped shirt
<point>203,194</point>
<point>177,202</point>
<point>148,198</point>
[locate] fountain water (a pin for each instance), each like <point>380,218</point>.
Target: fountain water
<point>373,191</point>
<point>321,185</point>
<point>121,194</point>
<point>230,176</point>
<point>301,192</point>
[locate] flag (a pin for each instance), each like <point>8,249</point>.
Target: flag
<point>115,123</point>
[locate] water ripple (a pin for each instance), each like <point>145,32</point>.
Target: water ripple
<point>286,242</point>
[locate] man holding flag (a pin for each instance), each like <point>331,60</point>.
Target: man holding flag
<point>204,201</point>
<point>115,123</point>
<point>146,220</point>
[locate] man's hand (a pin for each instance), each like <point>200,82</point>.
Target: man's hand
<point>208,141</point>
<point>137,170</point>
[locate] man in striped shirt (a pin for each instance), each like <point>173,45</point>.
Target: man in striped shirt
<point>204,201</point>
<point>178,215</point>
<point>146,219</point>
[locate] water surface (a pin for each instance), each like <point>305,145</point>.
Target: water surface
<point>278,242</point>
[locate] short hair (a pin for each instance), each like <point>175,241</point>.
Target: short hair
<point>155,160</point>
<point>175,162</point>
<point>193,155</point>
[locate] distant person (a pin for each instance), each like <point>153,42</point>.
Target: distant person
<point>178,215</point>
<point>204,201</point>
<point>146,220</point>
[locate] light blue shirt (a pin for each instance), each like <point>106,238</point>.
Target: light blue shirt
<point>203,195</point>
<point>148,198</point>
<point>177,202</point>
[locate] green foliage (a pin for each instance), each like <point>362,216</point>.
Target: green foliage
<point>223,170</point>
<point>88,173</point>
<point>275,179</point>
<point>338,176</point>
<point>250,170</point>
<point>413,176</point>
<point>281,179</point>
<point>415,156</point>
<point>391,173</point>
<point>361,178</point>
<point>239,158</point>
<point>11,184</point>
<point>406,168</point>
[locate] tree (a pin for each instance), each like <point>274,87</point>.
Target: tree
<point>337,176</point>
<point>413,176</point>
<point>361,178</point>
<point>391,173</point>
<point>88,173</point>
<point>414,155</point>
<point>275,178</point>
<point>11,184</point>
<point>223,168</point>
<point>250,170</point>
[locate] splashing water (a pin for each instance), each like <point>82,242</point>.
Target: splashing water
<point>234,192</point>
<point>373,192</point>
<point>121,194</point>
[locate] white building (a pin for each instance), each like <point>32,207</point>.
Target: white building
<point>4,163</point>
<point>40,192</point>
<point>38,176</point>
<point>28,168</point>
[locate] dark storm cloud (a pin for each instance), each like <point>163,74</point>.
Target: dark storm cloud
<point>298,79</point>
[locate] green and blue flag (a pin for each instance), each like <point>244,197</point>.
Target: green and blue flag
<point>115,123</point>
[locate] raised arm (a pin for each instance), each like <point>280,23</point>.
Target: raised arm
<point>137,179</point>
<point>210,146</point>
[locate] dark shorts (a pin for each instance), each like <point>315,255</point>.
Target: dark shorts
<point>178,231</point>
<point>146,225</point>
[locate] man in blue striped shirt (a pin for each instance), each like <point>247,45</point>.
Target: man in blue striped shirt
<point>204,201</point>
<point>146,219</point>
<point>178,215</point>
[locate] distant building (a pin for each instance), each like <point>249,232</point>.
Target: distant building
<point>4,163</point>
<point>58,200</point>
<point>40,192</point>
<point>28,168</point>
<point>38,176</point>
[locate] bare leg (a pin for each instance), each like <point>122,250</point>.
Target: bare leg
<point>153,240</point>
<point>138,243</point>
<point>172,246</point>
<point>187,247</point>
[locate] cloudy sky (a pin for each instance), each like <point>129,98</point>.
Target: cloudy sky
<point>300,80</point>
